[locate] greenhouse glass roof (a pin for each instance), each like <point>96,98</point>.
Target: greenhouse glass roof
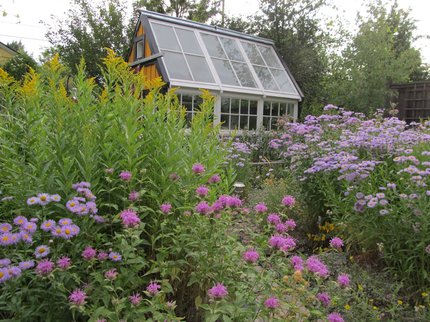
<point>203,56</point>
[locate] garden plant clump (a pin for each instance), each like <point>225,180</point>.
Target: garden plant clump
<point>112,210</point>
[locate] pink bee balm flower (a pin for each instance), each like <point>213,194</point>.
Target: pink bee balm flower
<point>111,274</point>
<point>198,168</point>
<point>64,262</point>
<point>251,256</point>
<point>335,317</point>
<point>219,291</point>
<point>324,298</point>
<point>214,179</point>
<point>102,256</point>
<point>44,267</point>
<point>343,280</point>
<point>166,208</point>
<point>129,218</point>
<point>273,219</point>
<point>89,253</point>
<point>125,175</point>
<point>291,224</point>
<point>202,191</point>
<point>297,262</point>
<point>260,208</point>
<point>78,297</point>
<point>135,299</point>
<point>153,288</point>
<point>203,208</point>
<point>281,228</point>
<point>133,196</point>
<point>314,265</point>
<point>336,242</point>
<point>271,303</point>
<point>288,201</point>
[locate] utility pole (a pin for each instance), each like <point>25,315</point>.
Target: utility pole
<point>222,13</point>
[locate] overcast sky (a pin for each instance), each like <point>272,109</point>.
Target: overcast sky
<point>31,13</point>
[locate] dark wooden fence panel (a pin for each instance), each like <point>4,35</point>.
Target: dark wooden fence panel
<point>413,101</point>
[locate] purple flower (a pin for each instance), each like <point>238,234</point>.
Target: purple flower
<point>166,208</point>
<point>4,262</point>
<point>218,291</point>
<point>55,198</point>
<point>99,219</point>
<point>6,239</point>
<point>297,262</point>
<point>198,168</point>
<point>125,175</point>
<point>251,256</point>
<point>26,237</point>
<point>174,177</point>
<point>135,299</point>
<point>64,262</point>
<point>314,265</point>
<point>44,267</point>
<point>291,224</point>
<point>153,288</point>
<point>336,242</point>
<point>4,275</point>
<point>44,199</point>
<point>115,257</point>
<point>324,298</point>
<point>335,317</point>
<point>273,219</point>
<point>343,280</point>
<point>20,220</point>
<point>111,274</point>
<point>41,251</point>
<point>89,253</point>
<point>56,231</point>
<point>288,201</point>
<point>202,191</point>
<point>14,271</point>
<point>65,221</point>
<point>48,225</point>
<point>5,228</point>
<point>26,265</point>
<point>67,231</point>
<point>32,201</point>
<point>109,170</point>
<point>133,196</point>
<point>29,226</point>
<point>214,179</point>
<point>260,208</point>
<point>78,297</point>
<point>203,208</point>
<point>271,303</point>
<point>129,218</point>
<point>281,228</point>
<point>73,205</point>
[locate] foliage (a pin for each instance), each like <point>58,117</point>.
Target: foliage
<point>20,64</point>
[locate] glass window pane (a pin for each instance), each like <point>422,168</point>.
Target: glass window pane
<point>225,72</point>
<point>225,105</point>
<point>270,56</point>
<point>244,122</point>
<point>282,80</point>
<point>234,122</point>
<point>235,106</point>
<point>187,101</point>
<point>244,104</point>
<point>188,119</point>
<point>140,49</point>
<point>265,78</point>
<point>266,123</point>
<point>176,66</point>
<point>274,125</point>
<point>252,53</point>
<point>266,108</point>
<point>166,38</point>
<point>275,109</point>
<point>282,109</point>
<point>188,41</point>
<point>197,102</point>
<point>252,122</point>
<point>213,46</point>
<point>225,122</point>
<point>244,74</point>
<point>231,48</point>
<point>253,107</point>
<point>200,69</point>
<point>291,109</point>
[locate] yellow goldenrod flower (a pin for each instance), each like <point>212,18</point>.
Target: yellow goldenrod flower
<point>400,302</point>
<point>347,307</point>
<point>424,294</point>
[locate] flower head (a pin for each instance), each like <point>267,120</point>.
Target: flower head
<point>44,267</point>
<point>26,265</point>
<point>198,168</point>
<point>260,208</point>
<point>133,196</point>
<point>166,208</point>
<point>20,220</point>
<point>111,274</point>
<point>343,280</point>
<point>153,288</point>
<point>273,219</point>
<point>218,291</point>
<point>48,225</point>
<point>251,256</point>
<point>314,265</point>
<point>55,198</point>
<point>324,298</point>
<point>125,175</point>
<point>214,179</point>
<point>44,199</point>
<point>4,274</point>
<point>32,201</point>
<point>5,228</point>
<point>65,221</point>
<point>203,208</point>
<point>335,317</point>
<point>89,253</point>
<point>135,299</point>
<point>102,256</point>
<point>41,251</point>
<point>64,262</point>
<point>115,257</point>
<point>78,297</point>
<point>271,303</point>
<point>297,262</point>
<point>336,242</point>
<point>5,262</point>
<point>288,201</point>
<point>202,191</point>
<point>129,218</point>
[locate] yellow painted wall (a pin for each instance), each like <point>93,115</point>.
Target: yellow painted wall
<point>150,71</point>
<point>4,56</point>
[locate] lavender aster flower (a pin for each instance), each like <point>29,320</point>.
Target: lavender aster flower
<point>20,220</point>
<point>32,201</point>
<point>26,265</point>
<point>44,199</point>
<point>115,257</point>
<point>4,274</point>
<point>5,228</point>
<point>48,225</point>
<point>41,251</point>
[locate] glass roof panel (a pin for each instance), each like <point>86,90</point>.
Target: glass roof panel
<point>225,72</point>
<point>283,80</point>
<point>265,78</point>
<point>188,41</point>
<point>200,69</point>
<point>213,46</point>
<point>165,37</point>
<point>253,54</point>
<point>269,56</point>
<point>176,66</point>
<point>231,48</point>
<point>244,74</point>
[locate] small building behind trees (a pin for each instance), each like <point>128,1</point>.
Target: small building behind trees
<point>413,101</point>
<point>251,82</point>
<point>6,53</point>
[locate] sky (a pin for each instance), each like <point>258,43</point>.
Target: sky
<point>29,27</point>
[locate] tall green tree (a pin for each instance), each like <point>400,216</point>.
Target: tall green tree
<point>380,54</point>
<point>90,28</point>
<point>20,64</point>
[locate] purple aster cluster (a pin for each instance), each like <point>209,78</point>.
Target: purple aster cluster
<point>43,199</point>
<point>83,204</point>
<point>8,271</point>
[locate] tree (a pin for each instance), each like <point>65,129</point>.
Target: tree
<point>379,55</point>
<point>197,10</point>
<point>20,64</point>
<point>90,28</point>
